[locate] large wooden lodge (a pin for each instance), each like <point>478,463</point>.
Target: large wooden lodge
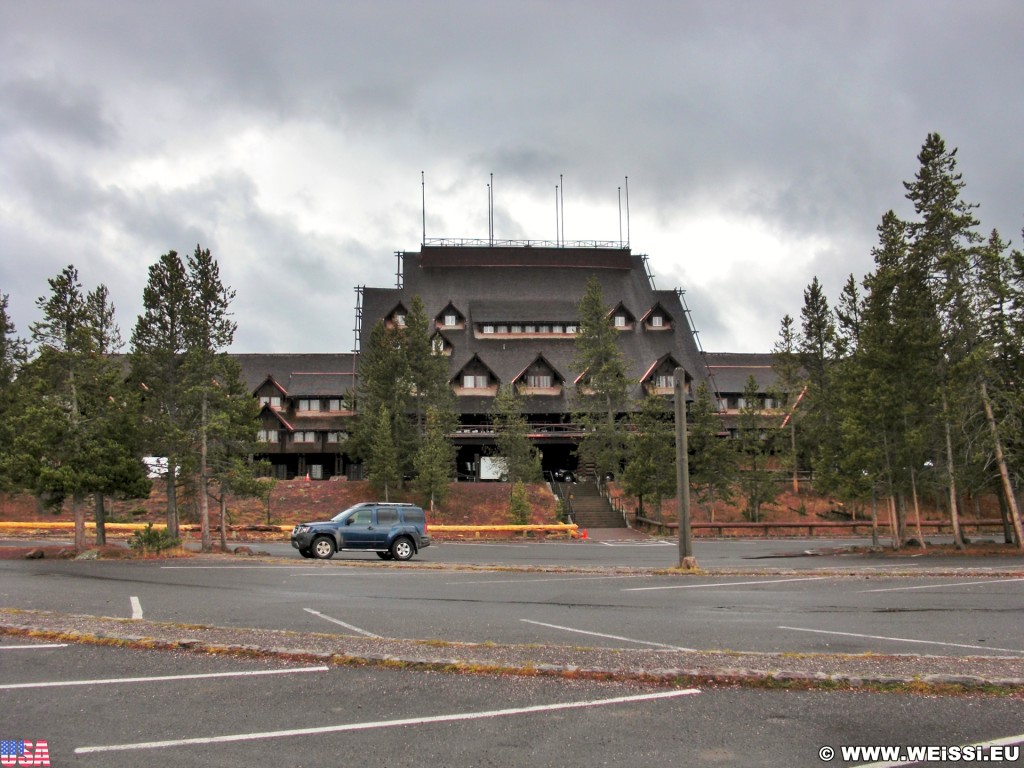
<point>501,313</point>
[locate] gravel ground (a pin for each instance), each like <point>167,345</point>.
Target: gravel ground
<point>923,674</point>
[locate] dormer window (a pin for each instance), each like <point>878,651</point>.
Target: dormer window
<point>450,317</point>
<point>397,317</point>
<point>475,379</point>
<point>657,319</point>
<point>539,378</point>
<point>622,318</point>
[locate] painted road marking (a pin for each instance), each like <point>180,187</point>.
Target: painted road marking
<point>725,584</point>
<point>628,543</point>
<point>610,637</point>
<point>457,717</point>
<point>1019,739</point>
<point>901,639</point>
<point>940,586</point>
<point>136,607</point>
<point>163,678</point>
<point>535,581</point>
<point>340,623</point>
<point>32,647</point>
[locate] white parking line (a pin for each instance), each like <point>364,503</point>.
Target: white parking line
<point>535,581</point>
<point>626,543</point>
<point>136,607</point>
<point>610,637</point>
<point>459,716</point>
<point>985,745</point>
<point>901,639</point>
<point>725,584</point>
<point>32,647</point>
<point>940,586</point>
<point>340,623</point>
<point>162,679</point>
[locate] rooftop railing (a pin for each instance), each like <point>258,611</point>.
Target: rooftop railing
<point>462,242</point>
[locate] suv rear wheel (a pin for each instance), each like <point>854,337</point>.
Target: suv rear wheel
<point>323,548</point>
<point>402,548</point>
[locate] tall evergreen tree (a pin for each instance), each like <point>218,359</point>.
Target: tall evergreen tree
<point>713,461</point>
<point>13,356</point>
<point>603,394</point>
<point>519,456</point>
<point>382,458</point>
<point>156,358</point>
<point>754,443</point>
<point>74,424</point>
<point>650,471</point>
<point>435,461</point>
<point>211,375</point>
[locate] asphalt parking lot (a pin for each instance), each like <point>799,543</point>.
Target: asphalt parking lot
<point>113,707</point>
<point>130,706</point>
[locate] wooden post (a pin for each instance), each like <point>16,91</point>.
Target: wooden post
<point>686,559</point>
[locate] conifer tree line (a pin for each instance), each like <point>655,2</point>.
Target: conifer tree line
<point>911,384</point>
<point>79,414</point>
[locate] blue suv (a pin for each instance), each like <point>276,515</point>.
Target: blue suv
<point>393,531</point>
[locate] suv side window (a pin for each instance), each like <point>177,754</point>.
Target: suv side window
<point>360,517</point>
<point>414,515</point>
<point>387,516</point>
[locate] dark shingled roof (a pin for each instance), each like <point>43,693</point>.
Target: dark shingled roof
<point>732,369</point>
<point>522,284</point>
<point>300,374</point>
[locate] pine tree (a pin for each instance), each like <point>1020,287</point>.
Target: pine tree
<point>156,356</point>
<point>754,443</point>
<point>519,456</point>
<point>603,394</point>
<point>209,331</point>
<point>435,461</point>
<point>713,461</point>
<point>650,472</point>
<point>13,356</point>
<point>382,459</point>
<point>75,424</point>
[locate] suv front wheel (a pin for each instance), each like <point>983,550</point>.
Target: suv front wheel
<point>323,548</point>
<point>402,548</point>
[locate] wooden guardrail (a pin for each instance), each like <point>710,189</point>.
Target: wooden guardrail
<point>851,526</point>
<point>60,525</point>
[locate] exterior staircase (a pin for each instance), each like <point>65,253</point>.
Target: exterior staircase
<point>590,509</point>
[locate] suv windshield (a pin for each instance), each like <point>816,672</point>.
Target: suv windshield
<point>338,517</point>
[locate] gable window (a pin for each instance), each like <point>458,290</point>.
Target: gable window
<point>400,319</point>
<point>657,321</point>
<point>267,436</point>
<point>620,321</point>
<point>450,319</point>
<point>437,345</point>
<point>664,381</point>
<point>539,380</point>
<point>472,381</point>
<point>274,401</point>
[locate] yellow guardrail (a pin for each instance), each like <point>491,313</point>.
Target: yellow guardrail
<point>570,528</point>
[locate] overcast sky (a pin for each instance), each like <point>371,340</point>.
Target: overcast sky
<point>763,141</point>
